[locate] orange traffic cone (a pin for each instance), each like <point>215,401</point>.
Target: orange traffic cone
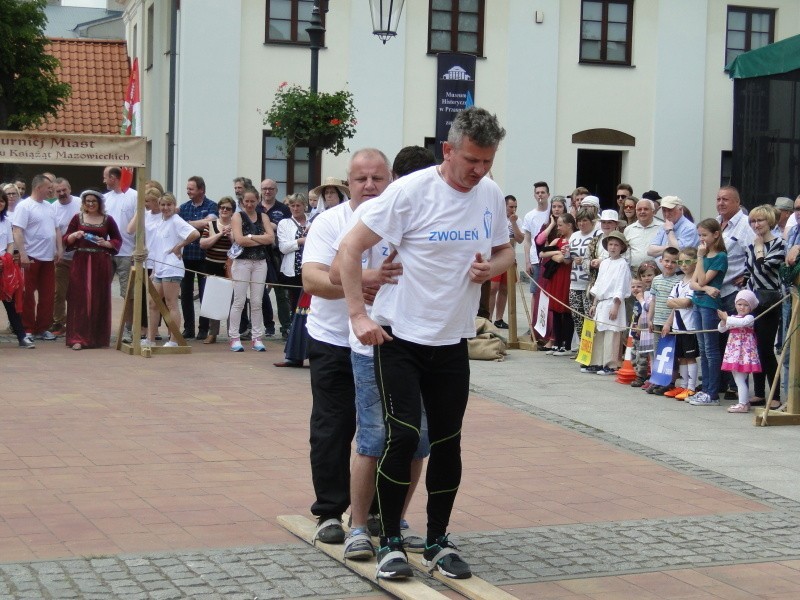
<point>626,374</point>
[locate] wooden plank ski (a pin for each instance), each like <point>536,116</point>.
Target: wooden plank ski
<point>407,589</point>
<point>473,588</point>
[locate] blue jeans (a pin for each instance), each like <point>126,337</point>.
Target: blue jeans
<point>710,356</point>
<point>370,432</point>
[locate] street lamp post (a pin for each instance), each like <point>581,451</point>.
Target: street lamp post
<point>385,17</point>
<point>316,33</point>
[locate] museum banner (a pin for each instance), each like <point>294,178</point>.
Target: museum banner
<point>455,91</point>
<point>24,147</point>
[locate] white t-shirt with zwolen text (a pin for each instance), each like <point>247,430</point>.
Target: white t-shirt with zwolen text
<point>370,259</point>
<point>168,233</point>
<point>122,207</point>
<point>63,215</point>
<point>38,222</point>
<point>327,319</point>
<point>532,223</point>
<point>437,232</point>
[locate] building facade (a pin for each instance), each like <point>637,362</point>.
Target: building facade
<point>591,92</point>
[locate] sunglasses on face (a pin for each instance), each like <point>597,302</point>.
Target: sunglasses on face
<point>621,196</point>
<point>686,263</point>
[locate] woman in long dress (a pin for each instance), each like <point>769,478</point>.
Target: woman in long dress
<point>95,238</point>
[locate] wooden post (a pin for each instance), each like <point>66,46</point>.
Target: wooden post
<point>135,294</point>
<point>764,416</point>
<point>511,288</point>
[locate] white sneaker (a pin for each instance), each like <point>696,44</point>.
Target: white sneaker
<point>703,399</point>
<point>145,343</point>
<point>171,344</point>
<point>127,337</point>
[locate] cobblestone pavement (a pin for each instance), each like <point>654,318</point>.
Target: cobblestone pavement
<point>502,557</point>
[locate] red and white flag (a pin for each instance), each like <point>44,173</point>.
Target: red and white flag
<point>131,118</point>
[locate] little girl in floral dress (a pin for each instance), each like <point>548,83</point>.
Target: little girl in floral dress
<point>741,352</point>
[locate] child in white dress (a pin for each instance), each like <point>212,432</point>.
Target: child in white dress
<point>613,285</point>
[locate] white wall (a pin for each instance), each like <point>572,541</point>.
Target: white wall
<point>677,154</point>
<point>532,100</point>
<point>675,99</point>
<point>208,95</point>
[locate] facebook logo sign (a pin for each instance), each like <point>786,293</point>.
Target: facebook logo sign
<point>663,361</point>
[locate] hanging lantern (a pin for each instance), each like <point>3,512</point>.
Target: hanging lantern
<point>385,17</point>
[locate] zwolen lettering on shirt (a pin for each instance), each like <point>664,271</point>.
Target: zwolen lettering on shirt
<point>436,231</point>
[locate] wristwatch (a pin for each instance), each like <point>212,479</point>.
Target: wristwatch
<point>250,235</point>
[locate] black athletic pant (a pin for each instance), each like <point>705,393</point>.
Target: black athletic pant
<point>333,425</point>
<point>440,374</point>
<point>766,328</point>
<point>563,329</point>
<point>187,295</point>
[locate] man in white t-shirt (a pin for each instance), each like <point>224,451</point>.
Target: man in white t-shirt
<point>39,243</point>
<point>532,224</point>
<point>121,206</point>
<point>65,207</point>
<point>449,229</point>
<point>333,410</point>
<point>370,431</point>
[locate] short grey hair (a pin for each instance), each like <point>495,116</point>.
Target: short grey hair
<point>650,202</point>
<point>479,125</point>
<point>369,152</point>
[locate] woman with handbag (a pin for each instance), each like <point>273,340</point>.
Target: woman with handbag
<point>253,232</point>
<point>216,241</point>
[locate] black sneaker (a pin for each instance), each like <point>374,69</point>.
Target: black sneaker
<point>392,561</point>
<point>269,331</point>
<point>187,335</point>
<point>329,530</point>
<point>443,556</point>
<point>500,324</point>
<point>374,524</point>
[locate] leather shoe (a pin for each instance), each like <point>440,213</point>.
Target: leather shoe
<point>187,335</point>
<point>211,339</point>
<point>202,334</point>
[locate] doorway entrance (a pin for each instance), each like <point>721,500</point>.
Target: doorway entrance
<point>600,171</point>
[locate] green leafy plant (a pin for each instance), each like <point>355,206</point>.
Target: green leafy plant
<point>300,117</point>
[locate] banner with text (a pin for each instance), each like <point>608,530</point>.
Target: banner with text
<point>455,91</point>
<point>24,147</point>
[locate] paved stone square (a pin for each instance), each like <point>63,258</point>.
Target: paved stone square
<point>124,477</point>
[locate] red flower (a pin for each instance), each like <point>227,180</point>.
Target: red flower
<point>283,85</point>
<point>335,122</point>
